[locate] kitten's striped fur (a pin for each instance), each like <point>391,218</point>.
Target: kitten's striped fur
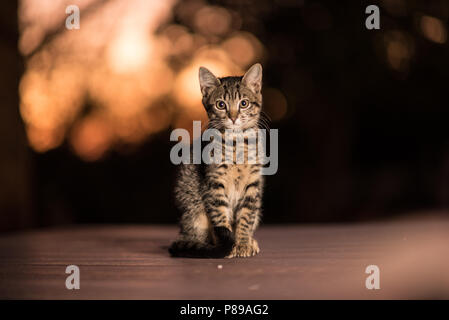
<point>221,203</point>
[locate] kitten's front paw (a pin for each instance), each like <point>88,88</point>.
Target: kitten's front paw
<point>245,250</point>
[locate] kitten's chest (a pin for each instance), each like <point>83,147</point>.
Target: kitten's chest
<point>236,180</point>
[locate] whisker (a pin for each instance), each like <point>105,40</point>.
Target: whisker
<point>264,123</point>
<point>265,115</point>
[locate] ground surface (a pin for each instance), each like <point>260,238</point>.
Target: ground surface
<point>296,262</point>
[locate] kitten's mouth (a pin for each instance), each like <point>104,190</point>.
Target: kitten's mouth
<point>240,127</point>
<point>234,128</point>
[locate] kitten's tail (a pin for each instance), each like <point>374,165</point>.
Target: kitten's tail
<point>195,249</point>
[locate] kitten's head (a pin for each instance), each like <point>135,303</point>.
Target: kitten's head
<point>232,102</point>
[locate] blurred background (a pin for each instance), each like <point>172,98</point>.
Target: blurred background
<point>86,114</point>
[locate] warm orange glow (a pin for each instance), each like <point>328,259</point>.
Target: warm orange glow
<point>91,138</point>
<point>129,52</point>
<point>399,49</point>
<point>157,118</point>
<point>433,29</point>
<point>127,73</point>
<point>44,139</point>
<point>395,7</point>
<point>243,48</point>
<point>213,20</point>
<point>397,52</point>
<point>48,103</point>
<point>275,103</point>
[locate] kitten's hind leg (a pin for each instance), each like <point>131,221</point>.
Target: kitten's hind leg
<point>195,240</point>
<point>190,249</point>
<point>224,240</point>
<point>198,239</point>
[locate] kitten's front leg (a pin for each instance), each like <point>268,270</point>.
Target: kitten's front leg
<point>247,218</point>
<point>245,249</point>
<point>217,209</point>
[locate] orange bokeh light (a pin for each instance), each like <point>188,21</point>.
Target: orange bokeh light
<point>127,73</point>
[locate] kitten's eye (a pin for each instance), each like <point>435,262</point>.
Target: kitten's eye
<point>244,104</point>
<point>221,105</point>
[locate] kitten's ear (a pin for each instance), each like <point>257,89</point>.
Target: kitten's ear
<point>253,78</point>
<point>208,81</point>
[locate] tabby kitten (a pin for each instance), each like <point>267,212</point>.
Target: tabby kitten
<point>221,202</point>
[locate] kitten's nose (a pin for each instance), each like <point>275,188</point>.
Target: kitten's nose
<point>233,117</point>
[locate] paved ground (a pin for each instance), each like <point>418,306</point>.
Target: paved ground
<point>296,262</point>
